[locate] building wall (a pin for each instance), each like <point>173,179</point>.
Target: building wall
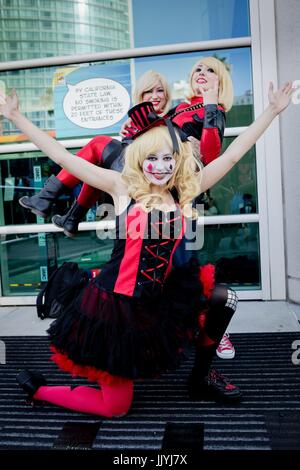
<point>287,17</point>
<point>41,28</point>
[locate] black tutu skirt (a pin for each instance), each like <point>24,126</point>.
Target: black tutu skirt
<point>109,337</point>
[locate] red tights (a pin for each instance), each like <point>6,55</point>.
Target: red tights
<point>110,401</point>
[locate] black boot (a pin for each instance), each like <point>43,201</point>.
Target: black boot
<point>30,382</point>
<point>41,203</point>
<point>206,383</point>
<point>214,386</point>
<point>69,222</point>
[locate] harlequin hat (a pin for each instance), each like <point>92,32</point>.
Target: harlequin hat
<point>145,118</point>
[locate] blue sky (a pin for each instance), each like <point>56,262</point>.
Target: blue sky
<point>158,22</point>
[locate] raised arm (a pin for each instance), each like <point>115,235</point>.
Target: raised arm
<point>278,101</point>
<point>100,178</point>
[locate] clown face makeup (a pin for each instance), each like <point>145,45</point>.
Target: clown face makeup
<point>158,168</point>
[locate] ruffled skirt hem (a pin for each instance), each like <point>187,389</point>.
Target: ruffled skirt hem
<point>110,337</point>
<point>88,372</point>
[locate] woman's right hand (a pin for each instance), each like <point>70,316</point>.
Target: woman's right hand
<point>280,99</point>
<point>210,91</point>
<point>127,124</point>
<point>9,104</point>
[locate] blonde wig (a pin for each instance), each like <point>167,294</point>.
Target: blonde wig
<point>147,81</point>
<point>225,83</point>
<point>185,178</point>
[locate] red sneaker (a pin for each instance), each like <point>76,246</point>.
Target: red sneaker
<point>226,349</point>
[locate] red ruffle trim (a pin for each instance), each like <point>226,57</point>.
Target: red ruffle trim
<point>89,372</point>
<point>207,278</point>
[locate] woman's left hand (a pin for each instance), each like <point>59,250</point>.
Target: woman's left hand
<point>9,104</point>
<point>281,98</point>
<point>124,128</point>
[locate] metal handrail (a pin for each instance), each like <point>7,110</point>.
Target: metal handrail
<point>110,224</point>
<point>127,53</point>
<point>79,143</point>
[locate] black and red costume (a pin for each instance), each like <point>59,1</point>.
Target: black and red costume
<point>131,321</point>
<point>204,122</point>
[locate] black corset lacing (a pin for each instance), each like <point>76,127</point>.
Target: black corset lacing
<point>156,254</point>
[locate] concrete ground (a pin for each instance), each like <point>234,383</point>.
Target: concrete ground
<point>251,317</point>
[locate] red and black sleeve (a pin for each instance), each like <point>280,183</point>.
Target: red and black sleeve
<point>212,133</point>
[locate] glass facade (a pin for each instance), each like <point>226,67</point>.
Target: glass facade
<point>234,250</point>
<point>38,88</point>
<point>28,259</point>
<point>32,29</point>
<point>24,174</point>
<point>39,28</point>
<point>236,193</point>
<point>176,68</point>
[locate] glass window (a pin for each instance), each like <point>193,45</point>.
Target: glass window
<point>39,80</point>
<point>13,35</point>
<point>28,13</point>
<point>47,24</point>
<point>236,193</point>
<point>197,20</point>
<point>65,17</point>
<point>80,48</point>
<point>10,3</point>
<point>44,4</point>
<point>9,13</point>
<point>18,179</point>
<point>46,14</point>
<point>234,250</point>
<point>27,3</point>
<point>28,45</point>
<point>47,81</point>
<point>24,24</point>
<point>24,174</point>
<point>64,6</point>
<point>28,259</point>
<point>176,68</point>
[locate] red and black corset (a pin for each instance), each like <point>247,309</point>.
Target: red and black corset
<point>164,229</point>
<point>141,261</point>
